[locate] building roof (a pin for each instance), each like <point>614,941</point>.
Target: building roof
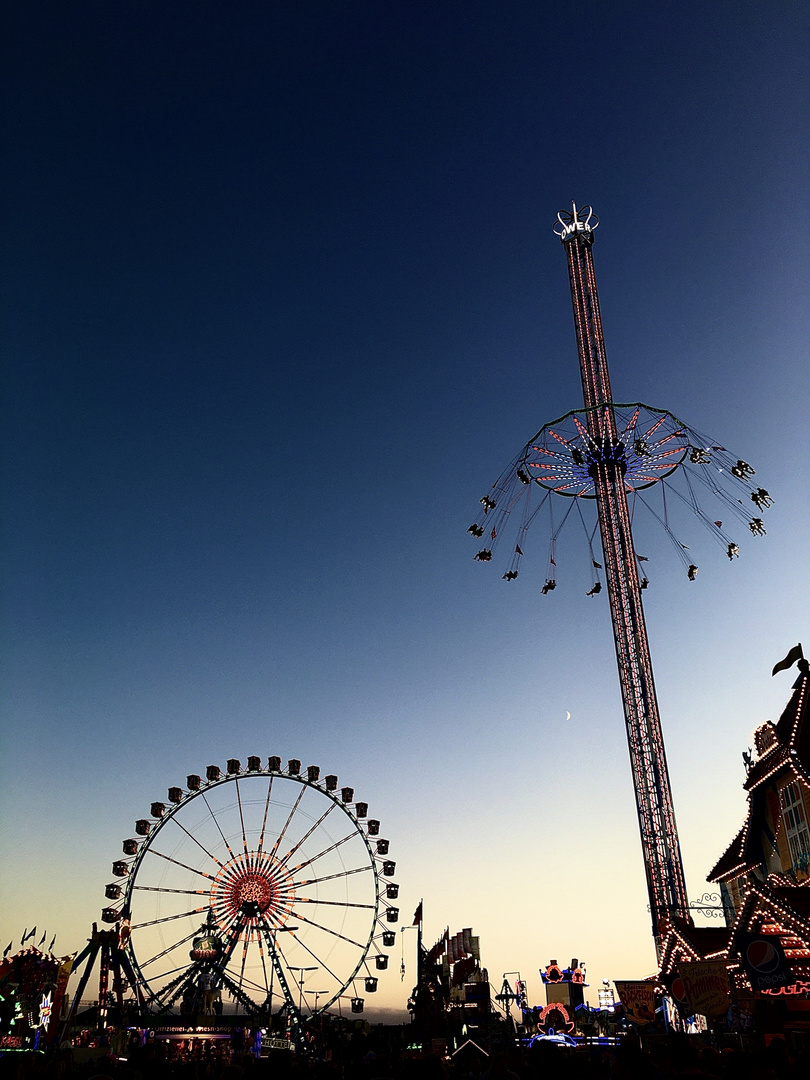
<point>732,862</point>
<point>780,747</point>
<point>781,910</point>
<point>682,940</point>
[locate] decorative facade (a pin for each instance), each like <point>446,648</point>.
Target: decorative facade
<point>764,881</point>
<point>773,845</point>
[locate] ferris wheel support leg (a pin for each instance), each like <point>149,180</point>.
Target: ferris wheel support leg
<point>131,978</point>
<point>103,984</point>
<point>289,998</point>
<point>89,953</point>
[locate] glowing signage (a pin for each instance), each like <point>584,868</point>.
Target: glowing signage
<point>45,1010</point>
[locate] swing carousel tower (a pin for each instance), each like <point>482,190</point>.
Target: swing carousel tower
<point>610,457</point>
<point>606,465</point>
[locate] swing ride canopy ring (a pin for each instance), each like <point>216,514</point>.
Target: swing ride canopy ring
<point>641,447</point>
<point>563,455</point>
<point>264,887</point>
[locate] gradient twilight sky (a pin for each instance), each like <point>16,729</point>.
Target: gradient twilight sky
<point>281,301</point>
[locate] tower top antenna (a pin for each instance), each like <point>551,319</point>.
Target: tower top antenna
<point>575,222</point>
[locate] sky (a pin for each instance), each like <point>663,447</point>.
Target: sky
<point>281,300</point>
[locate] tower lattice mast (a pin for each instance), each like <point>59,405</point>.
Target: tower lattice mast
<point>606,466</point>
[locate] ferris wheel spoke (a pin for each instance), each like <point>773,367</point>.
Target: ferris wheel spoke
<point>264,819</point>
<point>314,955</point>
<point>331,877</point>
<point>168,974</point>
<point>219,827</point>
<point>202,847</point>
<point>280,836</point>
<point>242,819</point>
<point>251,984</point>
<point>307,834</point>
<point>332,903</point>
<point>320,959</point>
<point>171,948</point>
<point>168,918</point>
<point>320,855</point>
<point>160,889</point>
<point>327,930</point>
<point>242,863</point>
<point>176,862</point>
<point>227,920</point>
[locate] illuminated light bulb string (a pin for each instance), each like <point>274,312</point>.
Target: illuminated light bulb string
<point>621,458</point>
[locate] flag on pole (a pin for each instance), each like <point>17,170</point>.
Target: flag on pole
<point>791,658</point>
<point>417,915</point>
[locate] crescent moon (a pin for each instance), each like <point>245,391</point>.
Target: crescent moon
<point>568,716</point>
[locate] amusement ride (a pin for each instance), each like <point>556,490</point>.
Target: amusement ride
<point>261,891</point>
<point>621,459</point>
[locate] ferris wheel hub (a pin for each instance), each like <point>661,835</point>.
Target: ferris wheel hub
<point>251,886</point>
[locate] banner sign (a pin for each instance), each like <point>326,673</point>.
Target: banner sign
<point>706,985</point>
<point>673,984</point>
<point>637,998</point>
<point>764,961</point>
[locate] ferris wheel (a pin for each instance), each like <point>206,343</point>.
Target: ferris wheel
<point>261,891</point>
